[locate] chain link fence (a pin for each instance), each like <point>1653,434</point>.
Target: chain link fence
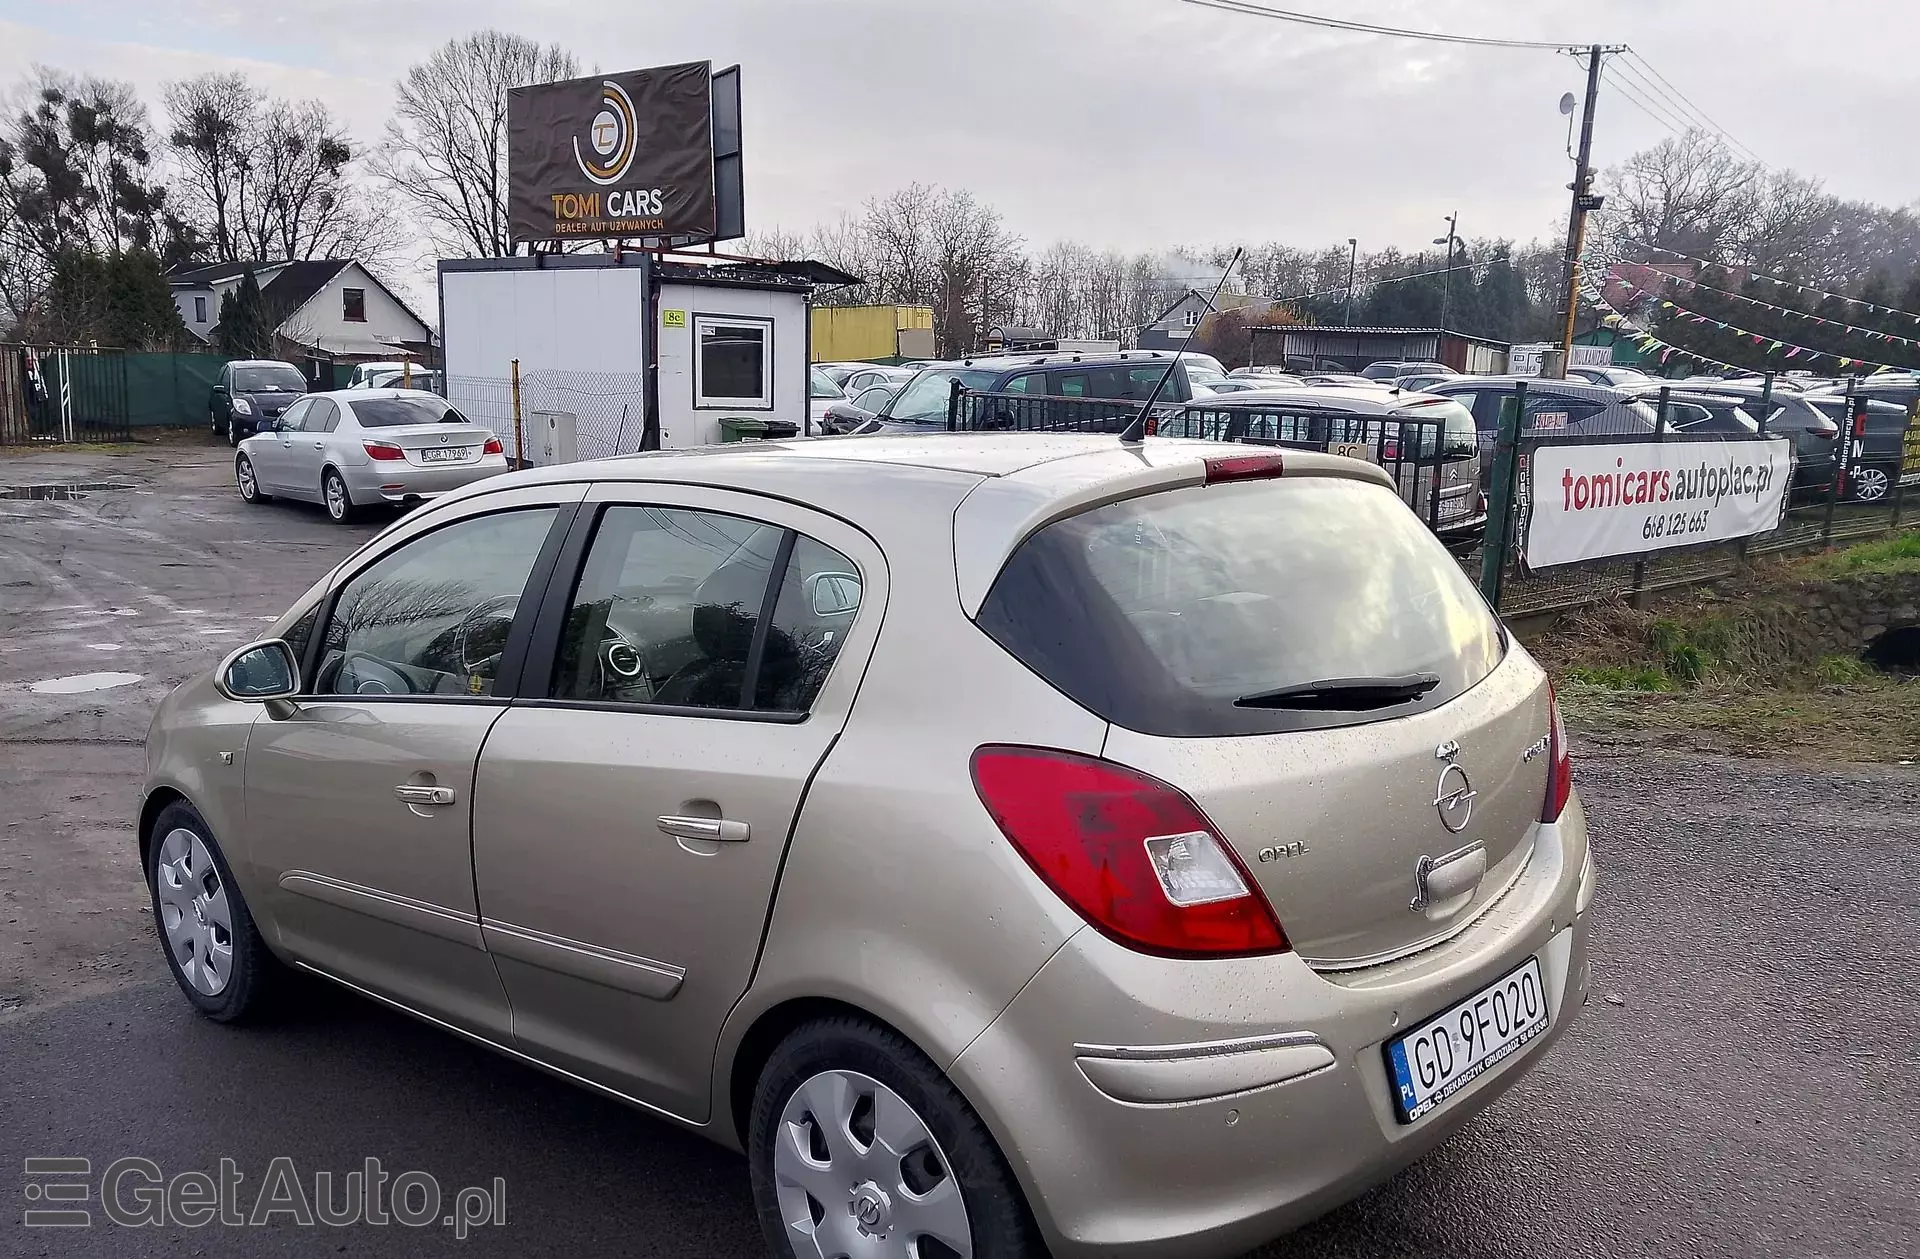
<point>608,407</point>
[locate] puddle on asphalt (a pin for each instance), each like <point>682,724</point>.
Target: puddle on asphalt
<point>65,490</point>
<point>80,683</point>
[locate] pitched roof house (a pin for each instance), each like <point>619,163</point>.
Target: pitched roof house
<point>327,308</point>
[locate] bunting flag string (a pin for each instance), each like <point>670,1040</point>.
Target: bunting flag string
<point>1872,334</point>
<point>1777,282</point>
<point>1648,343</point>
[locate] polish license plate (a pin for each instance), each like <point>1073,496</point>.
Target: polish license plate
<point>443,454</point>
<point>1455,1047</point>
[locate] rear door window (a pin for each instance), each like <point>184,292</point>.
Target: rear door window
<point>1183,613</point>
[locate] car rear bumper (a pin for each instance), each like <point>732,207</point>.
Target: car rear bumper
<point>402,481</point>
<point>1161,1108</point>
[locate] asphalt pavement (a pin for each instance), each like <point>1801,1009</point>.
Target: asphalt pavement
<point>1741,1086</point>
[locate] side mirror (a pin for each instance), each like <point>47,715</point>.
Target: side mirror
<point>261,673</point>
<point>834,594</point>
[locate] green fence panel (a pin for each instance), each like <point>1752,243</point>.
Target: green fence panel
<point>170,390</point>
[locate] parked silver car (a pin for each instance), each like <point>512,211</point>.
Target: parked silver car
<point>355,448</point>
<point>1017,844</point>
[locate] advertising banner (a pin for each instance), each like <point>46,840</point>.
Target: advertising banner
<point>1632,498</point>
<point>613,155</point>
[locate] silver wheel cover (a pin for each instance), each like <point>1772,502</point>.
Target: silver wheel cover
<point>336,497</point>
<point>244,473</point>
<point>195,914</point>
<point>1869,484</point>
<point>857,1172</point>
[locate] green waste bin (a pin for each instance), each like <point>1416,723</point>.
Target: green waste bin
<point>741,428</point>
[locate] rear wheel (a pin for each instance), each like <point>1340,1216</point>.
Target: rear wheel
<point>206,930</point>
<point>333,493</point>
<point>249,484</point>
<point>859,1146</point>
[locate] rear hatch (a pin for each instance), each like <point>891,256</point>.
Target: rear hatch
<point>424,426</point>
<point>1308,664</point>
<point>435,445</point>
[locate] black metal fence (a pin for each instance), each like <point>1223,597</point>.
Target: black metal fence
<point>1437,472</point>
<point>59,394</point>
<point>1832,499</point>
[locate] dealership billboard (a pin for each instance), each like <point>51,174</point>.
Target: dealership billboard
<point>614,156</point>
<point>1617,499</point>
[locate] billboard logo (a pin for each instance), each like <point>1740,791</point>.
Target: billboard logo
<point>610,137</point>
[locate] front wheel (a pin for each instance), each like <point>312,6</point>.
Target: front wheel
<point>233,431</point>
<point>333,492</point>
<point>858,1145</point>
<point>213,948</point>
<point>249,483</point>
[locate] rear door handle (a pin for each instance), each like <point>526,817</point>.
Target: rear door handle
<point>721,830</point>
<point>409,793</point>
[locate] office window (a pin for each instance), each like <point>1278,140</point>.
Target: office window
<point>353,303</point>
<point>733,362</point>
<point>199,310</point>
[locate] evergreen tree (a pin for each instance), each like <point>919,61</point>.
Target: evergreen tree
<point>118,300</point>
<point>245,328</point>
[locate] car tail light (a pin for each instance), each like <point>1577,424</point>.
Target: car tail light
<point>384,450</point>
<point>493,447</point>
<point>1390,450</point>
<point>1242,467</point>
<point>1130,854</point>
<point>1560,764</point>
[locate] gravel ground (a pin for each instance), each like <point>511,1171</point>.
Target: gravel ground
<point>1741,1085</point>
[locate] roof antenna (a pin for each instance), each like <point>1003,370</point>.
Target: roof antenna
<point>1136,431</point>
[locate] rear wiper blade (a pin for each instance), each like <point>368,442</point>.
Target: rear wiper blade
<point>1344,693</point>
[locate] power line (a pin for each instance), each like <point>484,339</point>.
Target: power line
<point>1689,114</point>
<point>1368,28</point>
<point>1640,102</point>
<point>1687,101</point>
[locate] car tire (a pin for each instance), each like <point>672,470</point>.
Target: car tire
<point>249,483</point>
<point>876,1193</point>
<point>334,497</point>
<point>233,431</point>
<point>1868,483</point>
<point>225,969</point>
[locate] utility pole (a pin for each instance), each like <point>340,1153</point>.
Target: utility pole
<point>1583,200</point>
<point>1446,279</point>
<point>1353,256</point>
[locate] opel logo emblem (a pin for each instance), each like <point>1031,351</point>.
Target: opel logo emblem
<point>1454,798</point>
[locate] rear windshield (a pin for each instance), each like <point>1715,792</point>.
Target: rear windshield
<point>1168,613</point>
<point>395,412</point>
<point>924,400</point>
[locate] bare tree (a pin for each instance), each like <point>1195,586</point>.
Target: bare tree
<point>215,126</point>
<point>446,148</point>
<point>1687,193</point>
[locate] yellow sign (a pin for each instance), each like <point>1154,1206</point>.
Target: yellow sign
<point>673,319</point>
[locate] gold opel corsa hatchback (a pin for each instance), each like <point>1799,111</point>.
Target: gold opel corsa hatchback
<point>1014,844</point>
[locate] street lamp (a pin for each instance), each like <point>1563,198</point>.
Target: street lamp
<point>1446,292</point>
<point>1353,256</point>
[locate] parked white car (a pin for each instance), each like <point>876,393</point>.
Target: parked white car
<point>354,448</point>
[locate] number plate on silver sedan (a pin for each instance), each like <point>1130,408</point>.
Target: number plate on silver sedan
<point>1449,1051</point>
<point>442,454</point>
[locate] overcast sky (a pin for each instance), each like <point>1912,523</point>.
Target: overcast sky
<point>1134,124</point>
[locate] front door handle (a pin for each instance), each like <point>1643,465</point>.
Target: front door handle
<point>409,793</point>
<point>720,830</point>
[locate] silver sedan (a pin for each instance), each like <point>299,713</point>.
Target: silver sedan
<point>352,449</point>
